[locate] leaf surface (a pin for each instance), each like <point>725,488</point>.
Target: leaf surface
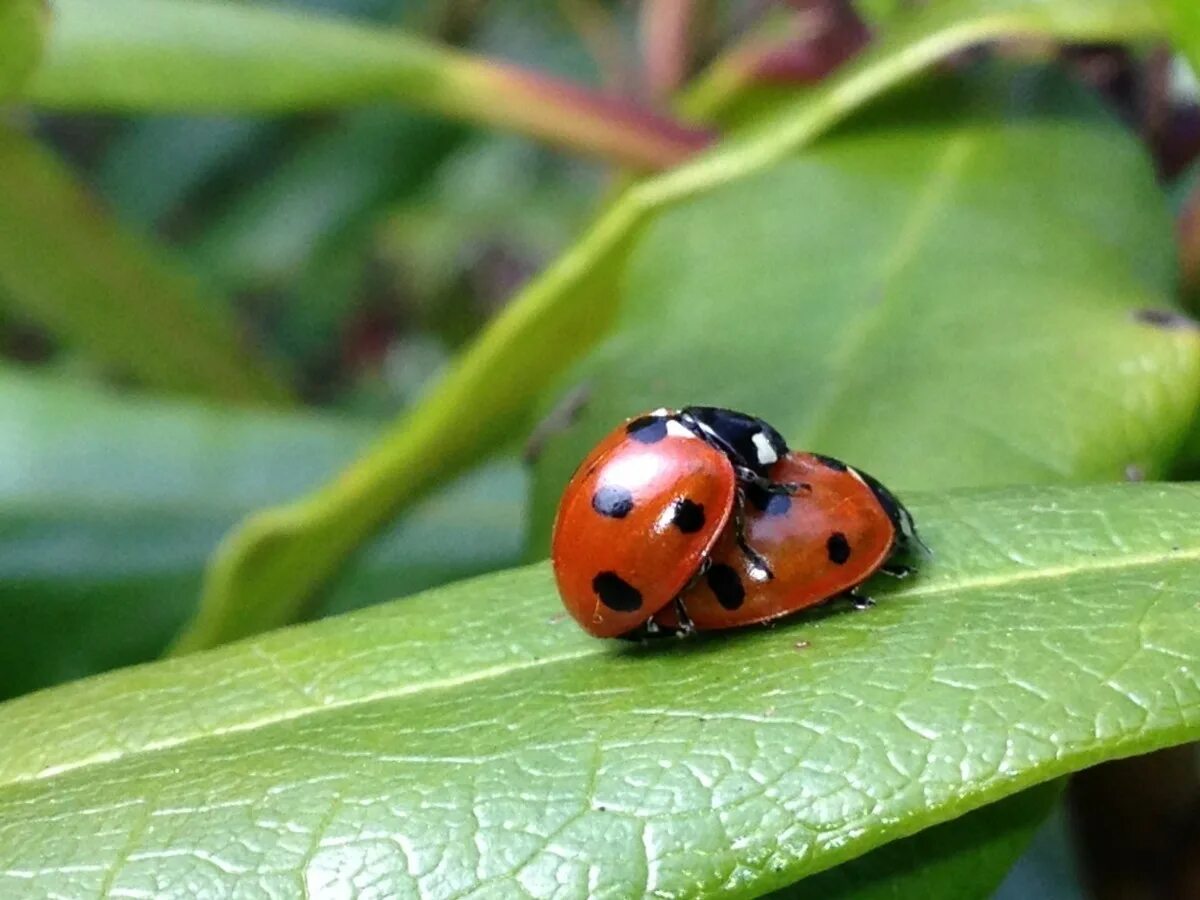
<point>473,740</point>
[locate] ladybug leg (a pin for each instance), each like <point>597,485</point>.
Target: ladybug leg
<point>859,601</point>
<point>686,625</point>
<point>897,570</point>
<point>759,570</point>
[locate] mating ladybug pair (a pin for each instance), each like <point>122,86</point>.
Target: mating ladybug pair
<point>702,518</point>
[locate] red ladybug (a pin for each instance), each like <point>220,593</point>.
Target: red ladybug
<point>643,511</point>
<point>821,544</point>
<point>702,518</point>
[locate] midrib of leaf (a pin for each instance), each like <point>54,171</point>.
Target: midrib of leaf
<point>964,585</point>
<point>939,184</point>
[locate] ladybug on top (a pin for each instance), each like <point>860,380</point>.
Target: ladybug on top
<point>701,518</point>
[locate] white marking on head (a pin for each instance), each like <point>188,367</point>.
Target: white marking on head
<point>762,447</point>
<point>678,429</point>
<point>661,412</point>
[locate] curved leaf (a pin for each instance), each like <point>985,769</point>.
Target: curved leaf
<point>984,299</point>
<point>474,740</point>
<point>107,292</point>
<point>278,557</point>
<point>22,25</point>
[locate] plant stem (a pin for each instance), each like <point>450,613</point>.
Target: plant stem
<point>789,48</point>
<point>574,117</point>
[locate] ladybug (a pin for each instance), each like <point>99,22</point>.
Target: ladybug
<point>643,511</point>
<point>823,544</point>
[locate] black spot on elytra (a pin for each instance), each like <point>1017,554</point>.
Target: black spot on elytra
<point>838,548</point>
<point>647,429</point>
<point>616,593</point>
<point>830,463</point>
<point>723,581</point>
<point>613,501</point>
<point>688,516</point>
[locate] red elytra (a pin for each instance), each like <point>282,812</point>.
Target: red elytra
<point>637,521</point>
<point>829,537</point>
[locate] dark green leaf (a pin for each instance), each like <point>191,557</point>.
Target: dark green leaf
<point>155,165</point>
<point>332,187</point>
<point>965,859</point>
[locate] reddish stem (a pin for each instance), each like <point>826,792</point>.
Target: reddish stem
<point>666,38</point>
<point>584,120</point>
<point>839,34</point>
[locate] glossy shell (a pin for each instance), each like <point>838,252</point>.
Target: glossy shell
<point>636,521</point>
<point>819,543</point>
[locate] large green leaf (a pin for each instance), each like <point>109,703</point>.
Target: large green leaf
<point>959,303</point>
<point>110,507</point>
<point>474,740</point>
<point>277,558</point>
<point>109,293</point>
<point>22,23</point>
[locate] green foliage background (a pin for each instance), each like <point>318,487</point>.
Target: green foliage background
<point>284,291</point>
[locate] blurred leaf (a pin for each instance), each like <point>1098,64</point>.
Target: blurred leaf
<point>1182,18</point>
<point>207,55</point>
<point>109,294</point>
<point>110,507</point>
<point>964,303</point>
<point>154,165</point>
<point>964,859</point>
<point>22,27</point>
<point>333,185</point>
<point>274,560</point>
<point>1187,464</point>
<point>1048,867</point>
<point>472,740</point>
<point>198,55</point>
